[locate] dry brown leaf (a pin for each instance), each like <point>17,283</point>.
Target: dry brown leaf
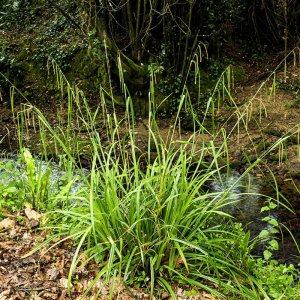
<point>64,283</point>
<point>32,214</point>
<point>4,294</point>
<point>52,273</point>
<point>6,212</point>
<point>165,295</point>
<point>6,223</point>
<point>6,245</point>
<point>47,257</point>
<point>126,297</point>
<point>79,287</point>
<point>63,295</point>
<point>49,295</point>
<point>34,223</point>
<point>35,297</point>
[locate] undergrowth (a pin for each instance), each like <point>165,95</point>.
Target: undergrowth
<point>156,225</point>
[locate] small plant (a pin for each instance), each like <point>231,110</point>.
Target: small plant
<point>96,46</point>
<point>37,180</point>
<point>279,280</point>
<point>267,234</point>
<point>26,179</point>
<point>12,194</point>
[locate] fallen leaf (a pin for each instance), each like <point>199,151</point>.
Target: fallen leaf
<point>6,223</point>
<point>49,295</point>
<point>53,273</point>
<point>6,212</point>
<point>32,214</point>
<point>6,245</point>
<point>34,223</point>
<point>4,294</point>
<point>64,282</point>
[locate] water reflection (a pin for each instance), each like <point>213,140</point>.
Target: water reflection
<point>243,193</point>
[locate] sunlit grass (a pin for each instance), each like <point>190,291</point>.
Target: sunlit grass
<point>158,223</point>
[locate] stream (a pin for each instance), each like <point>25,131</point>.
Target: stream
<point>12,170</point>
<point>247,197</point>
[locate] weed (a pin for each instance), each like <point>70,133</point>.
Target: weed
<point>279,280</point>
<point>12,194</point>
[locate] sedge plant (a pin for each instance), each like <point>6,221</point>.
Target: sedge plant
<point>155,225</point>
<point>160,221</point>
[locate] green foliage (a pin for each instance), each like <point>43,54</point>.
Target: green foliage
<point>149,225</point>
<point>158,224</point>
<point>16,13</point>
<point>53,42</point>
<point>289,85</point>
<point>12,194</point>
<point>267,235</point>
<point>52,39</point>
<point>37,182</point>
<point>154,224</point>
<point>96,45</point>
<point>292,86</point>
<point>279,280</point>
<point>28,180</point>
<point>9,65</point>
<point>223,20</point>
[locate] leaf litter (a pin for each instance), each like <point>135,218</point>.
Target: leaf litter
<point>44,274</point>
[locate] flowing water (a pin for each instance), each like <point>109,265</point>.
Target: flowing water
<point>246,197</point>
<point>243,194</point>
<point>11,169</point>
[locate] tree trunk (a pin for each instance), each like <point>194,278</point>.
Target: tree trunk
<point>135,76</point>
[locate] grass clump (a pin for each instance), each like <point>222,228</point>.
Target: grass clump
<point>155,225</point>
<point>161,222</point>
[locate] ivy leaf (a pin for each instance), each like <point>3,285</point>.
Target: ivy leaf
<point>264,208</point>
<point>274,230</point>
<point>264,233</point>
<point>274,244</point>
<point>272,205</point>
<point>273,222</point>
<point>267,254</point>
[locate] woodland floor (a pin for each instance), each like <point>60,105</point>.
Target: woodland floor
<point>44,274</point>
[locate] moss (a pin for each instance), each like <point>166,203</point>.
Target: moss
<point>87,71</point>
